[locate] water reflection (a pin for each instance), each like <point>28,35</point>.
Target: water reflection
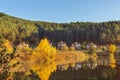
<point>95,68</point>
<point>92,63</point>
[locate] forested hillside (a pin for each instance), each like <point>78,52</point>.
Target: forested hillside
<point>17,30</point>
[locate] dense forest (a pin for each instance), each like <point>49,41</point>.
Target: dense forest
<point>17,30</point>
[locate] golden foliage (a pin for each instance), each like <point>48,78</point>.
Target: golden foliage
<point>72,48</point>
<point>7,45</point>
<point>23,47</point>
<point>46,71</point>
<point>40,60</point>
<point>43,59</point>
<point>45,48</point>
<point>72,65</point>
<point>112,48</point>
<point>13,61</point>
<point>112,62</point>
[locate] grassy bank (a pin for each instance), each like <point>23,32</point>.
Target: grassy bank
<point>69,57</point>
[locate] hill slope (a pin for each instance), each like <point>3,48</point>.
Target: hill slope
<point>17,30</point>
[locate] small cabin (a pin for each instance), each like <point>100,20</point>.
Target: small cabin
<point>60,45</point>
<point>22,45</point>
<point>91,45</point>
<point>77,46</point>
<point>78,65</point>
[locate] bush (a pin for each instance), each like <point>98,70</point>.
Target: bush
<point>65,48</point>
<point>72,48</point>
<point>83,47</point>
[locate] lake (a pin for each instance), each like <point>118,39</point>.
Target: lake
<point>95,68</point>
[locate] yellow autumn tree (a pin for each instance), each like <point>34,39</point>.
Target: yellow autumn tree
<point>112,48</point>
<point>112,61</point>
<point>42,59</point>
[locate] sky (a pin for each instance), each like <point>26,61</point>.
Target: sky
<point>63,11</point>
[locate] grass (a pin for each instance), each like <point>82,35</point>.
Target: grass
<point>66,57</point>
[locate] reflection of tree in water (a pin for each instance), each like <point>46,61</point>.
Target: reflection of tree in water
<point>92,63</point>
<point>63,67</point>
<point>96,68</point>
<point>112,61</point>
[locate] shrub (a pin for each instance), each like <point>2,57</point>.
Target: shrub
<point>72,48</point>
<point>83,46</point>
<point>65,48</point>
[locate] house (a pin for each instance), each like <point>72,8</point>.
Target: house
<point>63,67</point>
<point>77,66</point>
<point>91,45</point>
<point>60,45</point>
<point>22,45</point>
<point>77,46</point>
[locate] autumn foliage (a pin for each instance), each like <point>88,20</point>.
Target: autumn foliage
<point>112,61</point>
<point>39,60</point>
<point>43,59</point>
<point>112,48</point>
